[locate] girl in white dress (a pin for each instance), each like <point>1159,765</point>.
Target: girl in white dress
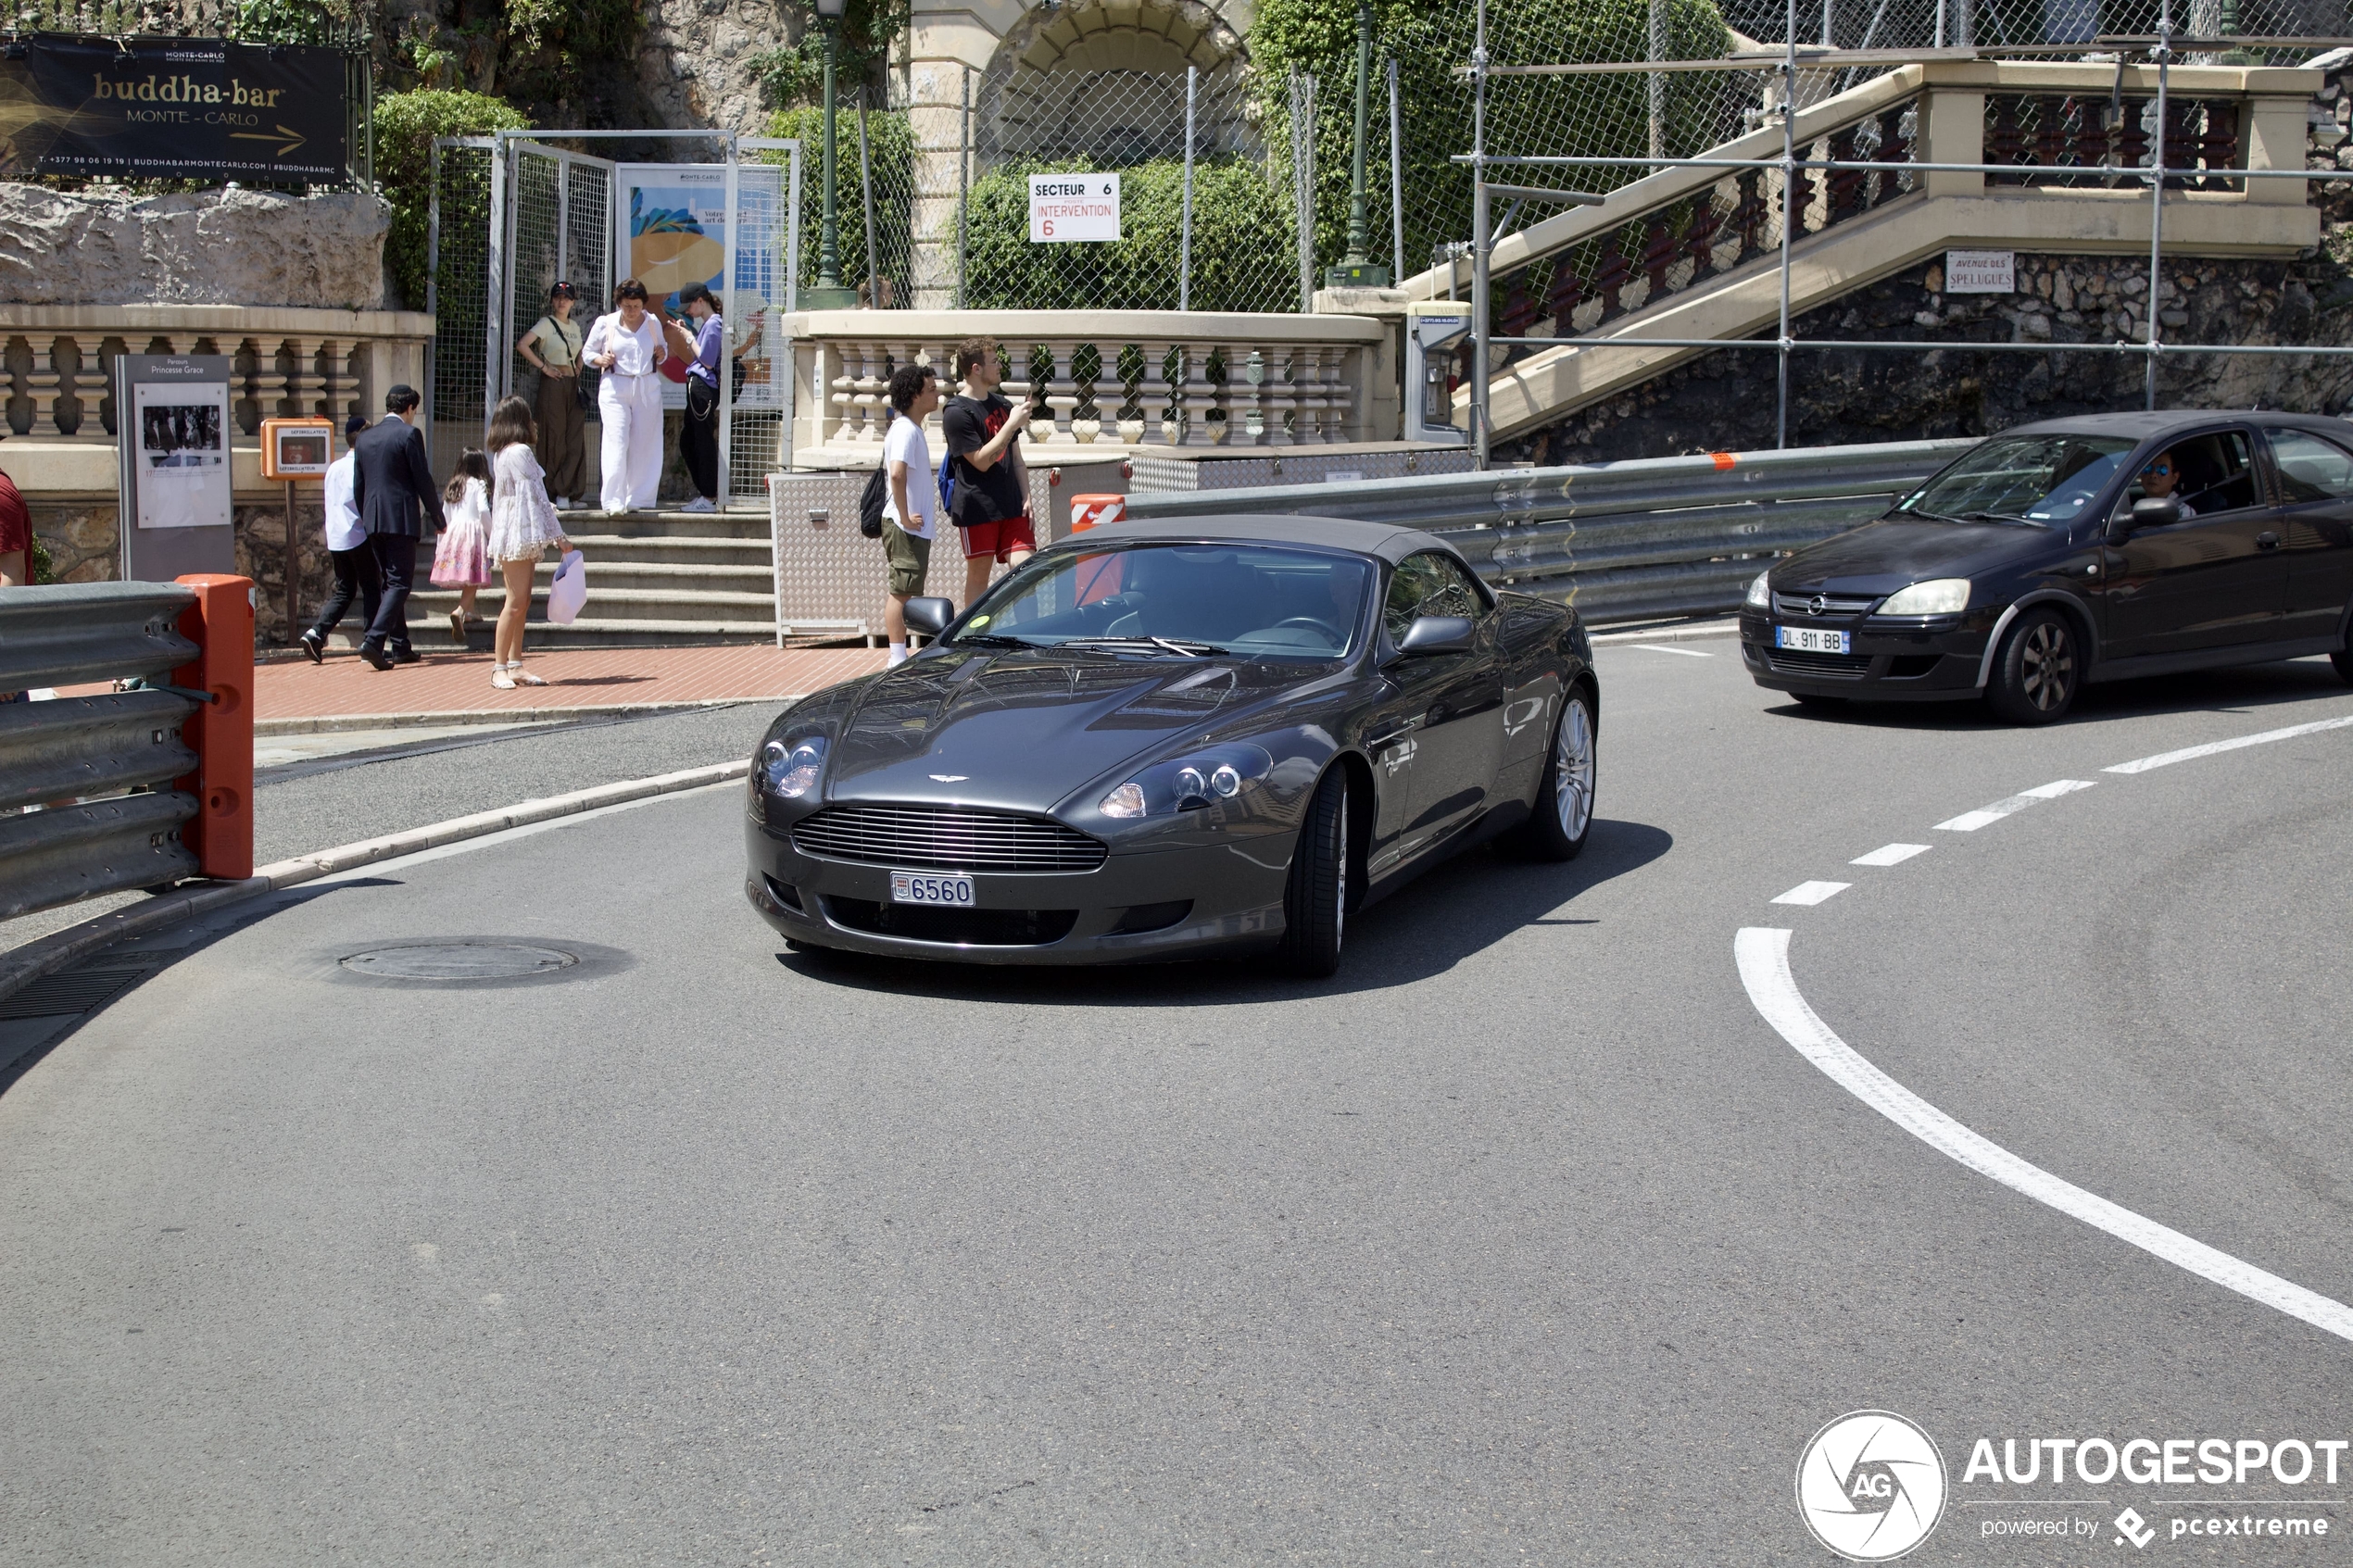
<point>627,346</point>
<point>522,525</point>
<point>461,559</point>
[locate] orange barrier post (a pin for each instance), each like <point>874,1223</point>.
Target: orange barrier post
<point>1093,511</point>
<point>219,731</point>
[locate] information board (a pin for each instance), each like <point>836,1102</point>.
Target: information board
<point>176,503</point>
<point>1066,208</point>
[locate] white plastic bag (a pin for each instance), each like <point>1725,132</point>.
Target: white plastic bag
<point>569,592</point>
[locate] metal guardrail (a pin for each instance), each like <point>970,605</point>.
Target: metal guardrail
<point>1639,540</point>
<point>125,748</point>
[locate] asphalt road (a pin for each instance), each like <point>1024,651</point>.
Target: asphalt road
<point>1526,1239</point>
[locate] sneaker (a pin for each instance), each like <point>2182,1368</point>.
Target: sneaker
<point>700,504</point>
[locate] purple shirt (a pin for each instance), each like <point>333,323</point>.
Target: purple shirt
<point>707,347</point>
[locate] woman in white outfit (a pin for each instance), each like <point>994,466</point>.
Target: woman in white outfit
<point>522,525</point>
<point>627,346</point>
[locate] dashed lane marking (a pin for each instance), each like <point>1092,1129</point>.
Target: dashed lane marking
<point>1889,855</point>
<point>2187,753</point>
<point>1813,891</point>
<point>1970,822</point>
<point>1763,956</point>
<point>1662,648</point>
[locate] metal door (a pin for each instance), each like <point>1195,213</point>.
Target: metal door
<point>465,218</point>
<point>763,254</point>
<point>558,224</point>
<point>2217,579</point>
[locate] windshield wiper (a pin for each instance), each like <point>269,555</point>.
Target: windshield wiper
<point>995,640</point>
<point>1184,647</point>
<point>2001,517</point>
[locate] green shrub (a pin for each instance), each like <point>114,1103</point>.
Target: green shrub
<point>1237,218</point>
<point>406,124</point>
<point>890,151</point>
<point>1589,116</point>
<point>42,567</point>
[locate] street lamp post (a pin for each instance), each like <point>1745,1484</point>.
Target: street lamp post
<point>828,292</point>
<point>1355,269</point>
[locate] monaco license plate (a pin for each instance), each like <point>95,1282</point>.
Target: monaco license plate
<point>1808,639</point>
<point>921,887</point>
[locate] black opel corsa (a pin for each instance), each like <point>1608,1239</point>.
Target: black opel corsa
<point>1162,740</point>
<point>2099,548</point>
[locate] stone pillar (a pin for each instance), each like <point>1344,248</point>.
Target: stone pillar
<point>942,45</point>
<point>1953,130</point>
<point>2276,128</point>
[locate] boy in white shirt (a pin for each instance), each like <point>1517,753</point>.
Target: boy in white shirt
<point>912,505</point>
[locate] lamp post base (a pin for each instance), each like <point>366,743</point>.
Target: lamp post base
<point>826,299</point>
<point>1356,275</point>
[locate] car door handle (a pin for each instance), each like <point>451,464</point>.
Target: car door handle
<point>2266,540</point>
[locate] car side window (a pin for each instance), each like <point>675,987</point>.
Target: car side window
<point>2211,473</point>
<point>1460,594</point>
<point>2311,469</point>
<point>1429,584</point>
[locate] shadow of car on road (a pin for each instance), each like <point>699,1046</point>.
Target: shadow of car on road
<point>1447,914</point>
<point>2244,688</point>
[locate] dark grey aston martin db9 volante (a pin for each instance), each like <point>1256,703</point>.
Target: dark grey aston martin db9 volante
<point>1159,740</point>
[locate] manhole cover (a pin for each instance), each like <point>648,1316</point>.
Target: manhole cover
<point>460,961</point>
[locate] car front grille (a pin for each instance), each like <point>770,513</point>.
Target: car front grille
<point>1790,662</point>
<point>1834,606</point>
<point>939,838</point>
<point>972,928</point>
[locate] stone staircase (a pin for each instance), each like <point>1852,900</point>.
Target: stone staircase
<point>665,577</point>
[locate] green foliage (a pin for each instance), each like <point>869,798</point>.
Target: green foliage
<point>42,567</point>
<point>1596,116</point>
<point>406,124</point>
<point>1237,218</point>
<point>890,152</point>
<point>294,21</point>
<point>794,73</point>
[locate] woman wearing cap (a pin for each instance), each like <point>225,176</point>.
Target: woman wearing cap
<point>553,347</point>
<point>626,345</point>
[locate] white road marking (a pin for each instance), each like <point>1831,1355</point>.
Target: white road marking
<point>1889,855</point>
<point>1970,822</point>
<point>1661,647</point>
<point>2166,759</point>
<point>1763,955</point>
<point>508,836</point>
<point>1813,891</point>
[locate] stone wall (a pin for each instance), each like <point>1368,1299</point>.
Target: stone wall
<point>208,248</point>
<point>1726,401</point>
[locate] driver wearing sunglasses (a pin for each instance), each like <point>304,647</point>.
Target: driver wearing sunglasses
<point>2159,478</point>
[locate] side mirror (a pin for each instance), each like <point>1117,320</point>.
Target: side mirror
<point>2155,511</point>
<point>930,616</point>
<point>1435,634</point>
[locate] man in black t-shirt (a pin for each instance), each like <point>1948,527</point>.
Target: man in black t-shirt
<point>990,508</point>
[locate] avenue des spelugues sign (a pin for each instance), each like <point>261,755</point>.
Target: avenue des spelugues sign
<point>1063,208</point>
<point>181,109</point>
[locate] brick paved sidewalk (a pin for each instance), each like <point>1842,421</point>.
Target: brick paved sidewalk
<point>345,688</point>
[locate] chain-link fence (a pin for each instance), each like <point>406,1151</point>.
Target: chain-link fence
<point>460,298</point>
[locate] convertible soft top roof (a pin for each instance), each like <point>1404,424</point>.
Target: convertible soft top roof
<point>1385,540</point>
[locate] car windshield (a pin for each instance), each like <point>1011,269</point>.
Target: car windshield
<point>2041,481</point>
<point>1178,601</point>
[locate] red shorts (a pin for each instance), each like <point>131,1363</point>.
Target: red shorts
<point>999,539</point>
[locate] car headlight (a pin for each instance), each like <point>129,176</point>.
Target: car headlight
<point>1189,784</point>
<point>1939,595</point>
<point>1760,596</point>
<point>790,771</point>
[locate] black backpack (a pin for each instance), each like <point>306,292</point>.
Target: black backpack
<point>870,502</point>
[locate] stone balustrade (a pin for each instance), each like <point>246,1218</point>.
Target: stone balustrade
<point>55,360</point>
<point>1110,381</point>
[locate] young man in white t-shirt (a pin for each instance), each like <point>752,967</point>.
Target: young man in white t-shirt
<point>910,509</point>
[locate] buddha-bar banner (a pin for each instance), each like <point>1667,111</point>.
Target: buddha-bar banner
<point>173,109</point>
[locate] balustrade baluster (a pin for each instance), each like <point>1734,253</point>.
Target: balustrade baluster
<point>1749,213</point>
<point>2091,133</point>
<point>1566,292</point>
<point>42,384</point>
<point>1843,195</point>
<point>1282,360</point>
<point>1199,396</point>
<point>2218,146</point>
<point>2050,132</point>
<point>1893,148</point>
<point>1612,273</point>
<point>1339,390</point>
<point>871,394</point>
<point>1242,364</point>
<point>1062,393</point>
<point>1700,234</point>
<point>2132,134</point>
<point>1153,392</point>
<point>1315,400</point>
<point>2181,142</point>
<point>1658,253</point>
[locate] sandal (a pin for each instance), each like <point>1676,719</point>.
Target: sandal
<point>499,677</point>
<point>525,676</point>
<point>457,626</point>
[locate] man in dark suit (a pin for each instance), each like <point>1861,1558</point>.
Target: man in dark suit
<point>391,481</point>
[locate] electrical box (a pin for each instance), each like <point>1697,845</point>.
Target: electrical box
<point>1434,330</point>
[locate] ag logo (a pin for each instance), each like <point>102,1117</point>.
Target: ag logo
<point>1870,1485</point>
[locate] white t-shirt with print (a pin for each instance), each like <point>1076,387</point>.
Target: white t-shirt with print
<point>905,444</point>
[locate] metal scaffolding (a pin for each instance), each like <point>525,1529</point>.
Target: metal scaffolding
<point>2161,49</point>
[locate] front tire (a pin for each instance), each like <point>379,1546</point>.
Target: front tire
<point>1315,899</point>
<point>2038,670</point>
<point>1562,816</point>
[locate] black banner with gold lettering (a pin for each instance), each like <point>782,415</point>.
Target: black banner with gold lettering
<point>173,109</point>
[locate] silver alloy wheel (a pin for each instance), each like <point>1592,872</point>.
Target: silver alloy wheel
<point>1573,769</point>
<point>1340,883</point>
<point>2046,665</point>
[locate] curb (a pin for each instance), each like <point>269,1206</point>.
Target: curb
<point>30,962</point>
<point>340,723</point>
